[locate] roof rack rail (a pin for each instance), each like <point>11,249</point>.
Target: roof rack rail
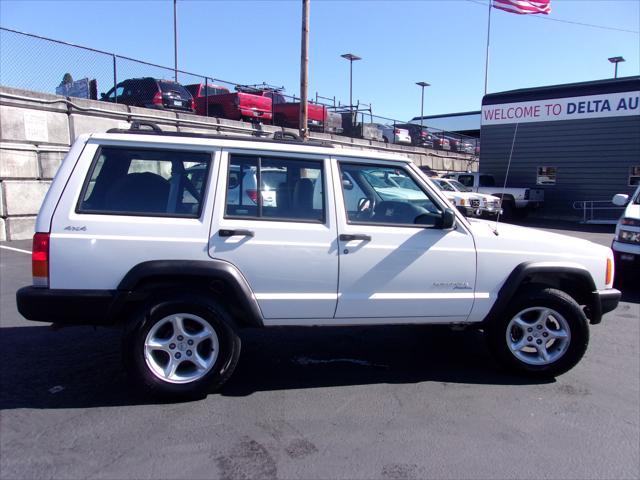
<point>279,136</point>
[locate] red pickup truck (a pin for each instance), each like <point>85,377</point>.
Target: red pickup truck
<point>287,114</point>
<point>218,101</point>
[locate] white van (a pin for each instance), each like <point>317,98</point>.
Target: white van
<point>626,243</point>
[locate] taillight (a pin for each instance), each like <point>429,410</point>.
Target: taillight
<point>253,195</point>
<point>423,134</point>
<point>40,260</point>
<point>157,98</point>
<point>193,105</point>
<point>609,272</point>
<point>397,131</point>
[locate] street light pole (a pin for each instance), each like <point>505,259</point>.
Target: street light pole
<point>616,61</point>
<point>175,39</point>
<point>352,58</point>
<point>422,84</point>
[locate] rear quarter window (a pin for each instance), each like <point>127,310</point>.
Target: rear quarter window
<point>146,182</point>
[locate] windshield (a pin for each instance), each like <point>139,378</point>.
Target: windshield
<point>444,186</point>
<point>459,187</point>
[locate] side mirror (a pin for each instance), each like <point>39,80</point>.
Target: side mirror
<point>448,219</point>
<point>620,199</point>
<point>347,184</point>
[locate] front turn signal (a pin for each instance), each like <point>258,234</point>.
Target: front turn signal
<point>609,273</point>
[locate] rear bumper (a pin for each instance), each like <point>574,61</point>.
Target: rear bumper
<point>74,307</point>
<point>603,301</point>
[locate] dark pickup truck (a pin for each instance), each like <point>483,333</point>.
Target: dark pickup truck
<point>218,101</point>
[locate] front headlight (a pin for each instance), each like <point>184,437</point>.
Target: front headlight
<point>628,236</point>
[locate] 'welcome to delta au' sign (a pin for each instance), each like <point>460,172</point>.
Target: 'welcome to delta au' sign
<point>574,108</point>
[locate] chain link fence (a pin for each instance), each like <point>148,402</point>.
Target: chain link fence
<point>41,64</point>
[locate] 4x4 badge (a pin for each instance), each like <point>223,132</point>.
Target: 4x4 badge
<point>76,229</point>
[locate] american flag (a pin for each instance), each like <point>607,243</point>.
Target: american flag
<point>523,7</point>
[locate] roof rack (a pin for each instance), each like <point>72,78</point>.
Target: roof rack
<point>280,136</point>
<point>259,88</point>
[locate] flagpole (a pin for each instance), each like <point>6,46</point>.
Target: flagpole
<point>486,65</point>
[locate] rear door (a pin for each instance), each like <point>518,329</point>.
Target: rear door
<point>128,202</point>
<point>395,263</point>
<point>282,238</point>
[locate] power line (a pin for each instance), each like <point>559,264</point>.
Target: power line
<point>540,17</point>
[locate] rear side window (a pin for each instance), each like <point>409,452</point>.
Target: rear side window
<point>289,189</point>
<point>124,181</point>
<point>487,181</point>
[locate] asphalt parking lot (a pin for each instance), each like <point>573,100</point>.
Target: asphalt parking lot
<point>383,402</point>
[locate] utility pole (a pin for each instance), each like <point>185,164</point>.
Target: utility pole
<point>304,72</point>
<point>175,39</point>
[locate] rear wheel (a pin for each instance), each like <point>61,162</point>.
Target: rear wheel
<point>544,332</point>
<point>183,346</point>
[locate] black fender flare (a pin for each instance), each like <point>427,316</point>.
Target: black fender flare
<point>204,272</point>
<point>527,272</point>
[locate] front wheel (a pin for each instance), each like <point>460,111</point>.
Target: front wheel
<point>543,333</point>
<point>182,346</point>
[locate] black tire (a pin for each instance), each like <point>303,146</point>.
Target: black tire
<point>155,311</point>
<point>507,209</point>
<point>552,299</point>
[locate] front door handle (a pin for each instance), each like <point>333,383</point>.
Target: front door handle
<point>234,233</point>
<point>356,236</point>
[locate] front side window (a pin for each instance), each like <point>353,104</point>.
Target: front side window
<point>376,194</point>
<point>289,189</point>
<point>129,181</point>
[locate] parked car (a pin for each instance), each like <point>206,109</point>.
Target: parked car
<point>243,104</point>
<point>626,243</point>
<point>419,137</point>
<point>488,206</point>
<point>151,93</point>
<point>356,129</point>
<point>287,114</point>
<point>394,134</point>
<point>201,93</point>
<point>467,203</point>
<point>128,237</point>
<point>428,171</point>
<point>515,201</point>
<point>440,141</point>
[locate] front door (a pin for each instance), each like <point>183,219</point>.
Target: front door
<point>282,235</point>
<point>395,262</point>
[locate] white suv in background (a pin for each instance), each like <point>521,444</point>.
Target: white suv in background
<point>626,243</point>
<point>127,236</point>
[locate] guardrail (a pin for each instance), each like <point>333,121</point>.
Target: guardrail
<point>41,64</point>
<point>593,211</point>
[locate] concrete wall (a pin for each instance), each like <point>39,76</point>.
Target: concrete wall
<point>36,130</point>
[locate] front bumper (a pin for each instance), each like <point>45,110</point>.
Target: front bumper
<point>73,307</point>
<point>603,301</point>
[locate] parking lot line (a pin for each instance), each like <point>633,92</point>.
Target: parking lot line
<point>16,249</point>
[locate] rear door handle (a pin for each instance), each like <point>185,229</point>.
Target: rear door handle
<point>234,233</point>
<point>357,236</point>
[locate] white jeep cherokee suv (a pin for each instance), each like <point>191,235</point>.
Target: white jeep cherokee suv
<point>130,235</point>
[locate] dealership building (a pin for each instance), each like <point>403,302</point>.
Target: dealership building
<point>578,142</point>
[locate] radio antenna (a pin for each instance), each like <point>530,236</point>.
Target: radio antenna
<point>506,176</point>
